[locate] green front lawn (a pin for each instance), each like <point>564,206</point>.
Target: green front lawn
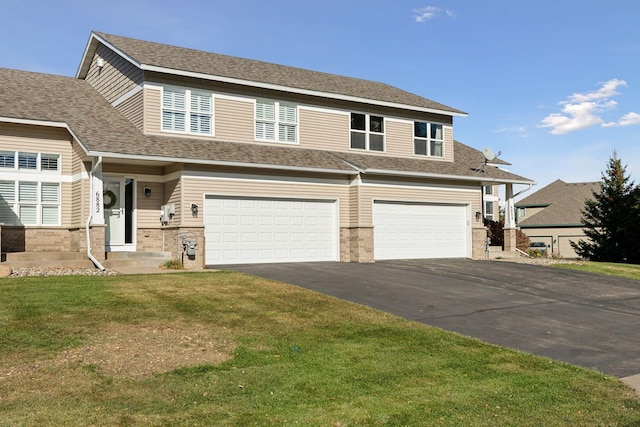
<point>630,271</point>
<point>227,349</point>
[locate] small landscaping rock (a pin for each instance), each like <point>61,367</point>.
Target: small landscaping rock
<point>5,270</point>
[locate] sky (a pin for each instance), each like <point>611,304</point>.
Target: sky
<point>552,85</point>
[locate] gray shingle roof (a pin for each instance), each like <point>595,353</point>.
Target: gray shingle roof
<point>564,203</point>
<point>467,162</point>
<point>101,129</point>
<point>183,60</point>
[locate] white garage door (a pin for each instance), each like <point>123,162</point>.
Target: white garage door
<point>255,230</point>
<point>419,230</point>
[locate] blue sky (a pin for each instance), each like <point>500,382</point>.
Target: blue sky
<point>553,85</point>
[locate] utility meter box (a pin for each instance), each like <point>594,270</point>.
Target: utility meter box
<point>191,248</point>
<point>167,212</point>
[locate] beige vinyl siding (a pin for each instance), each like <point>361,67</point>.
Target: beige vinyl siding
<point>324,130</point>
<point>77,195</point>
<point>413,194</point>
<point>399,138</point>
<point>195,190</point>
<point>173,194</point>
<point>66,204</point>
<point>354,212</point>
<point>152,111</point>
<point>234,120</point>
<point>133,110</point>
<point>117,77</point>
<point>38,139</point>
<point>448,144</point>
<point>148,208</point>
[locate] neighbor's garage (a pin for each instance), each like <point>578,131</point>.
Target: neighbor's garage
<point>405,230</point>
<point>241,230</point>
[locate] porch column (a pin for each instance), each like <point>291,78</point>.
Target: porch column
<point>509,221</point>
<point>97,209</point>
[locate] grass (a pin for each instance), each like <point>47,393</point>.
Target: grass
<point>274,354</point>
<point>630,271</point>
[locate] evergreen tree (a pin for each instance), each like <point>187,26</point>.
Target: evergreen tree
<point>611,218</point>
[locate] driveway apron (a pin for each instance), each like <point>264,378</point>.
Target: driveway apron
<point>580,318</point>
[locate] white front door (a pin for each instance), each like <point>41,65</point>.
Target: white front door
<point>118,211</point>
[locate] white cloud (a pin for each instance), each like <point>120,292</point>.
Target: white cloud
<point>424,14</point>
<point>520,130</point>
<point>583,110</point>
<point>628,119</point>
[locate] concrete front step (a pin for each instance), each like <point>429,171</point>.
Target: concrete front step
<point>117,260</point>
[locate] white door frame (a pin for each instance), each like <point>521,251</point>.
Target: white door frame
<point>126,217</point>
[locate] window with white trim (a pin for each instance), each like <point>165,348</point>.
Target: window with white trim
<point>26,162</point>
<point>488,209</point>
<point>428,139</point>
<point>367,132</point>
<point>488,190</point>
<point>187,111</point>
<point>276,121</point>
<point>29,203</point>
<point>29,190</point>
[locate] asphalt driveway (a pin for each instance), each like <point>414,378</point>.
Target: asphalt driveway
<point>584,319</point>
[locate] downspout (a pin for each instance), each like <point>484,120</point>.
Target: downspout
<point>90,218</point>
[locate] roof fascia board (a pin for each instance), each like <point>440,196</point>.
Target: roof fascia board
<point>533,205</point>
<point>219,163</point>
<point>91,47</point>
<point>340,97</point>
<point>452,177</point>
<point>551,225</point>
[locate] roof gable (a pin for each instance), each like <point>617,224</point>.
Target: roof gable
<point>563,204</point>
<point>189,62</point>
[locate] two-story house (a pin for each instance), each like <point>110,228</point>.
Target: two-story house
<point>227,160</point>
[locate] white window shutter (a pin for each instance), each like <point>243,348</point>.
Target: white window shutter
<point>50,192</point>
<point>28,215</point>
<point>50,215</point>
<point>288,113</point>
<point>174,99</point>
<point>28,192</point>
<point>265,110</point>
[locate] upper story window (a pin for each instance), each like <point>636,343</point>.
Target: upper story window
<point>29,161</point>
<point>186,110</point>
<point>276,121</point>
<point>367,132</point>
<point>428,139</point>
<point>488,190</point>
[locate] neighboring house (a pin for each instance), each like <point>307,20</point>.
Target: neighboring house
<point>553,215</point>
<point>227,160</point>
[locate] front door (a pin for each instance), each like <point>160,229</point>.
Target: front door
<point>118,213</point>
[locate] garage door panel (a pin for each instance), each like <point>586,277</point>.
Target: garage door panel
<point>419,230</point>
<point>270,230</point>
